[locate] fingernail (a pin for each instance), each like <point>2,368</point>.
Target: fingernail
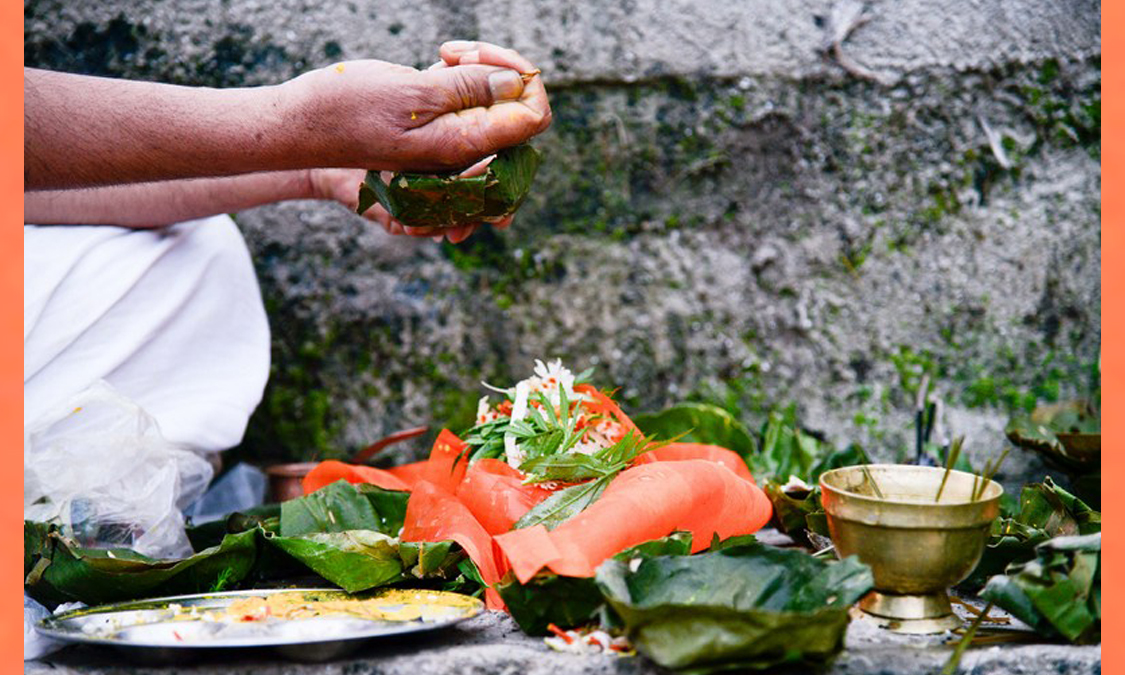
<point>458,46</point>
<point>506,85</point>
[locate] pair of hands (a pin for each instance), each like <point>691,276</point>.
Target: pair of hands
<point>479,98</point>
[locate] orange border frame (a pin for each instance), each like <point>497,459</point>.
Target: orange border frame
<point>11,337</point>
<point>1113,324</point>
<point>1113,327</point>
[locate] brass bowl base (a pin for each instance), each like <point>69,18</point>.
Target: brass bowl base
<point>913,614</point>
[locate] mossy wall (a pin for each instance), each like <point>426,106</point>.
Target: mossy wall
<point>739,222</point>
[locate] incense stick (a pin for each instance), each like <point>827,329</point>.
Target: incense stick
<point>990,470</point>
<point>871,479</point>
<point>955,658</point>
<point>950,460</point>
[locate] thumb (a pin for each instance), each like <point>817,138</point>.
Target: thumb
<point>474,86</point>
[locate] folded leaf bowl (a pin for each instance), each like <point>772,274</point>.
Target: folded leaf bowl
<point>917,545</point>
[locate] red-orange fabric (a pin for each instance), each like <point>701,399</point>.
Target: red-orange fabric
<point>702,489</point>
<point>604,405</point>
<point>675,452</point>
<point>433,514</point>
<point>497,496</point>
<point>330,471</point>
<point>441,469</point>
<point>643,503</point>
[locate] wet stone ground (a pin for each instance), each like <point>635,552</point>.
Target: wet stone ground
<point>493,644</point>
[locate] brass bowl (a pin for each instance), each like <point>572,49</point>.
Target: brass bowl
<point>916,547</point>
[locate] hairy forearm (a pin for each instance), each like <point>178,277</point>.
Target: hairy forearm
<point>156,204</point>
<point>86,131</point>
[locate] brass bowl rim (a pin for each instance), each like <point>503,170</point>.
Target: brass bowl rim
<point>904,502</point>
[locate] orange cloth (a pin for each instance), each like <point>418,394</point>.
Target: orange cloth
<point>702,489</point>
<point>442,469</point>
<point>675,452</point>
<point>641,504</point>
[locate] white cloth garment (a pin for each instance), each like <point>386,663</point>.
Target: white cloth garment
<point>171,318</point>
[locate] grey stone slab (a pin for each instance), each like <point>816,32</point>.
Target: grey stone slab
<point>492,645</point>
<point>602,40</point>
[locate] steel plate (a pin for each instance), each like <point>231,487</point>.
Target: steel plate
<point>162,628</point>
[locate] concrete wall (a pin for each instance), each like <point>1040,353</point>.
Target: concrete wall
<point>724,213</point>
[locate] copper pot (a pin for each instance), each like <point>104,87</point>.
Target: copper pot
<point>285,479</point>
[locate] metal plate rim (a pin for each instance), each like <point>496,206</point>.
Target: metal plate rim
<point>48,625</point>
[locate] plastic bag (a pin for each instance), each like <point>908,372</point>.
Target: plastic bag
<point>100,467</point>
<point>36,646</point>
<point>241,488</point>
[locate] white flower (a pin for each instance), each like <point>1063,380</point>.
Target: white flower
<point>588,446</point>
<point>549,378</point>
<point>485,413</point>
<point>552,380</point>
<point>512,449</point>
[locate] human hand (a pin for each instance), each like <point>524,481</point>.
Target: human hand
<point>370,114</point>
<point>342,185</point>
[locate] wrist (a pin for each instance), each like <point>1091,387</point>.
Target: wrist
<point>307,122</point>
<point>302,185</point>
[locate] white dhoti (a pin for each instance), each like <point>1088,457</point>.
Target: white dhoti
<point>171,318</point>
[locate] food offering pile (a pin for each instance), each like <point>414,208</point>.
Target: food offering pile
<point>556,477</point>
<point>593,529</point>
<point>554,507</point>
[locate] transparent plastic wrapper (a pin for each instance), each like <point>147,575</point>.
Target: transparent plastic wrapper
<point>36,646</point>
<point>241,488</point>
<point>100,466</point>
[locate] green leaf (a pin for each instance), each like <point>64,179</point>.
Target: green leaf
<point>210,534</point>
<point>572,601</point>
<point>468,580</point>
<point>1058,593</point>
<point>786,451</point>
<point>1054,510</point>
<point>677,543</point>
<point>700,423</point>
<point>631,445</point>
<point>389,505</point>
<point>367,192</point>
<point>1068,436</point>
<point>853,455</point>
<point>562,505</point>
<point>429,559</point>
<point>749,606</point>
<point>791,509</point>
<point>446,200</point>
<point>569,468</point>
<point>1045,511</point>
<point>817,522</point>
<point>354,560</point>
<point>96,576</point>
<point>563,601</point>
<point>341,506</point>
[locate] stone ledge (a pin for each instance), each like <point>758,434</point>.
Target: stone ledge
<point>492,644</point>
<point>599,41</point>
